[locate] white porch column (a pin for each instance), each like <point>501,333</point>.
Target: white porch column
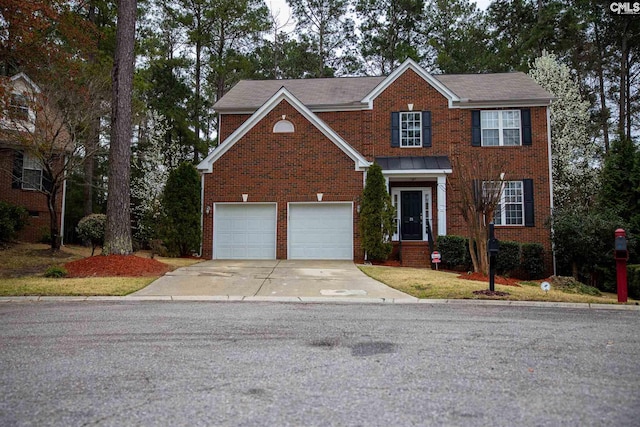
<point>442,205</point>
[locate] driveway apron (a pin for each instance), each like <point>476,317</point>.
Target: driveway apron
<point>271,278</point>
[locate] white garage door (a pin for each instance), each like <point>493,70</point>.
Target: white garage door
<point>244,231</point>
<point>320,231</point>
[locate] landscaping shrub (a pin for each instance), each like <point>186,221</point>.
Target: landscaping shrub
<point>91,228</point>
<point>533,260</point>
<point>180,230</point>
<point>508,258</point>
<point>454,251</point>
<point>12,219</point>
<point>376,216</point>
<point>56,272</point>
<point>633,281</point>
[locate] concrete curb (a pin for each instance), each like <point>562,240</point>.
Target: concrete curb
<point>319,300</point>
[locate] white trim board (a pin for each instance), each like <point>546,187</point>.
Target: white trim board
<point>283,94</point>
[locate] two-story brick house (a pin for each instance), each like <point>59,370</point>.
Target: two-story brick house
<point>287,178</point>
<point>23,180</point>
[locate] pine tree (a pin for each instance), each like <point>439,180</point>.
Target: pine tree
<point>118,232</point>
<point>620,190</point>
<point>376,216</point>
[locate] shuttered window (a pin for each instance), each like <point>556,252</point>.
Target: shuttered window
<point>516,202</point>
<point>411,129</point>
<point>497,128</point>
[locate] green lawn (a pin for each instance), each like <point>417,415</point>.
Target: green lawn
<point>430,284</point>
<point>90,286</point>
<point>22,267</point>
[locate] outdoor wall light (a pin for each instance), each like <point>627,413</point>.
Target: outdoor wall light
<point>358,208</point>
<point>319,196</point>
<point>245,197</point>
<point>208,209</point>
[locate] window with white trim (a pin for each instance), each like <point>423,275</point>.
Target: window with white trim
<point>500,128</point>
<point>411,129</point>
<point>18,107</point>
<point>510,209</point>
<point>31,173</point>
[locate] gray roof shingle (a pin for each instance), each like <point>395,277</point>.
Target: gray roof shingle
<point>494,87</point>
<point>249,95</point>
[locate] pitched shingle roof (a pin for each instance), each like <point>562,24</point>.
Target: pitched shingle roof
<point>251,94</point>
<point>494,87</point>
<point>348,92</point>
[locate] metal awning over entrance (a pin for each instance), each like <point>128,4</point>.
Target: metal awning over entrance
<point>433,164</point>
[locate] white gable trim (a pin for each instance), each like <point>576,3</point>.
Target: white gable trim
<point>27,80</point>
<point>283,94</point>
<point>410,64</point>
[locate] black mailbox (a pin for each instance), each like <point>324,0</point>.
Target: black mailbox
<point>493,246</point>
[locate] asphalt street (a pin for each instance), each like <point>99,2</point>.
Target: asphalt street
<point>203,363</point>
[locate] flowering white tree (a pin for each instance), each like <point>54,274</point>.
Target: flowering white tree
<point>575,154</point>
<point>150,172</point>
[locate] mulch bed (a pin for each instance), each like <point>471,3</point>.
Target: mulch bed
<point>498,280</point>
<point>115,265</point>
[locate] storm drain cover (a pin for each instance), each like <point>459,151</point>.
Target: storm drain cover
<point>342,292</point>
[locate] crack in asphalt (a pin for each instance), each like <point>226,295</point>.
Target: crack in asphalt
<point>266,278</point>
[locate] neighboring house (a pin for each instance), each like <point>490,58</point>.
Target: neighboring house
<point>22,177</point>
<point>287,178</point>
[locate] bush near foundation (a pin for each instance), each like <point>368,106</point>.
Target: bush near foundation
<point>508,259</point>
<point>12,219</point>
<point>454,251</point>
<point>533,260</point>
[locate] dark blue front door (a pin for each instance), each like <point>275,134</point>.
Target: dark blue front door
<point>411,215</point>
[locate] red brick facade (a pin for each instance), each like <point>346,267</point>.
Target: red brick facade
<point>35,202</point>
<point>293,167</point>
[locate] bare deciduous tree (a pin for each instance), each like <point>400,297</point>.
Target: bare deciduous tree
<point>480,184</point>
<point>54,121</point>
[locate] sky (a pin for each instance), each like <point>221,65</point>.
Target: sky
<point>280,8</point>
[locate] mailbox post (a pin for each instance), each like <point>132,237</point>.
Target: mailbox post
<point>621,255</point>
<point>493,247</point>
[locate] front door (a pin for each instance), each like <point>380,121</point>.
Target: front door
<point>411,212</point>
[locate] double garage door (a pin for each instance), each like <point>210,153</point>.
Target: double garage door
<point>315,231</point>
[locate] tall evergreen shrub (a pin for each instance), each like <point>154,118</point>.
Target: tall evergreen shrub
<point>180,228</point>
<point>376,216</point>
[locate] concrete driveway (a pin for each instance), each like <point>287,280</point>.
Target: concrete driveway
<point>272,279</point>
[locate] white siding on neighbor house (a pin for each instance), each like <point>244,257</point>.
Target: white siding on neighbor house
<point>321,230</point>
<point>244,231</point>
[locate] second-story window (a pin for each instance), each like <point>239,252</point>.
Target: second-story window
<point>500,128</point>
<point>18,107</point>
<point>410,129</point>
